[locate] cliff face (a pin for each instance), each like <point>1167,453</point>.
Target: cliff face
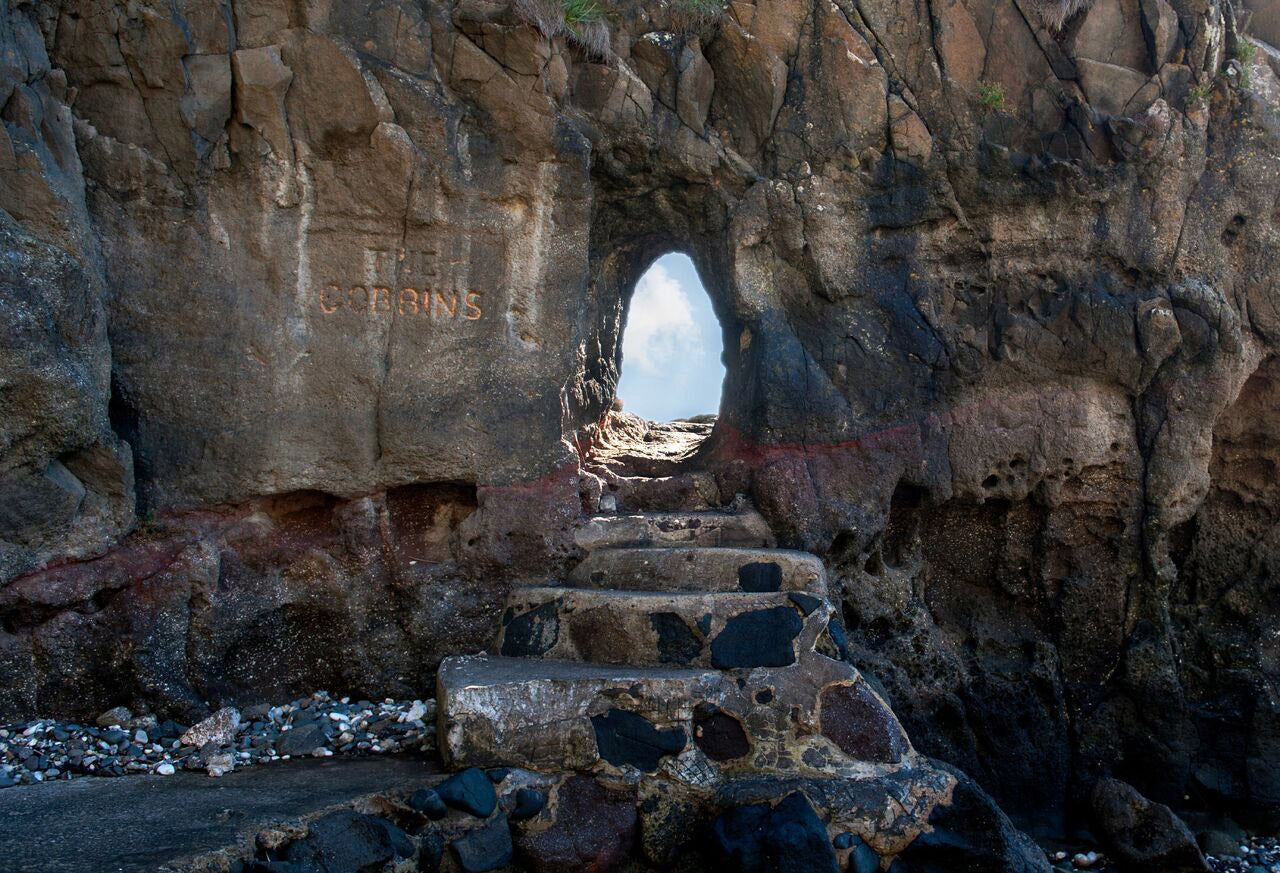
<point>330,294</point>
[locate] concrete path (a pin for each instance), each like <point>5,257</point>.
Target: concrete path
<point>143,823</point>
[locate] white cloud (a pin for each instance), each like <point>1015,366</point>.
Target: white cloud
<point>660,327</point>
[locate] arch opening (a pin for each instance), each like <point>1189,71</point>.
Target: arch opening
<point>672,362</point>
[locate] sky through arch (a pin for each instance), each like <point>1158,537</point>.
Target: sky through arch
<point>671,346</point>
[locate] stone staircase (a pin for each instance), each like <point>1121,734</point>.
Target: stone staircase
<point>684,645</point>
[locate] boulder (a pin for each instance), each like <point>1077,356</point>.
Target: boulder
<point>786,838</point>
<point>485,848</point>
<point>1144,836</point>
<point>344,841</point>
<point>971,833</point>
<point>594,829</point>
<point>217,730</point>
<point>470,791</point>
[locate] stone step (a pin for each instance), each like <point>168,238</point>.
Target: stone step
<point>725,630</point>
<point>816,717</point>
<point>537,714</point>
<point>658,529</point>
<point>699,569</point>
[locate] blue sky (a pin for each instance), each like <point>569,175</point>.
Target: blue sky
<point>671,345</point>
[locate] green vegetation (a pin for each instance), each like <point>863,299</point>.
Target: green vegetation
<point>149,526</point>
<point>586,22</point>
<point>703,10</point>
<point>1246,51</point>
<point>991,97</point>
<point>580,12</point>
<point>1199,93</point>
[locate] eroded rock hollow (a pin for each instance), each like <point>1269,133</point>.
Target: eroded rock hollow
<point>311,318</point>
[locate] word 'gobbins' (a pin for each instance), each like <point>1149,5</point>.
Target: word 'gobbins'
<point>379,299</point>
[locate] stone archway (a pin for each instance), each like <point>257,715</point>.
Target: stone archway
<point>672,346</point>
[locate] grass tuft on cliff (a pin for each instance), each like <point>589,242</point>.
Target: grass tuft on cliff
<point>991,97</point>
<point>1055,13</point>
<point>586,22</point>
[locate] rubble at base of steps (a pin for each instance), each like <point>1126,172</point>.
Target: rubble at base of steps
<point>120,743</point>
<point>476,821</point>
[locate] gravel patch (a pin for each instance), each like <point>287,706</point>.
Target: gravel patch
<point>121,744</point>
<point>1255,855</point>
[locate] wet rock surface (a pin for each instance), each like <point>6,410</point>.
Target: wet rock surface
<point>90,825</point>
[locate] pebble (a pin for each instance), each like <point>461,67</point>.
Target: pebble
<point>428,802</point>
<point>115,716</point>
<point>1259,855</point>
<point>120,744</point>
<point>470,791</point>
<point>530,801</point>
<point>220,729</point>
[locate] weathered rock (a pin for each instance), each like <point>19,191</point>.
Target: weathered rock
<point>344,841</point>
<point>594,830</point>
<point>217,730</point>
<point>721,529</point>
<point>529,802</point>
<point>1000,307</point>
<point>763,839</point>
<point>470,791</point>
<point>429,802</point>
<point>699,569</point>
<point>485,848</point>
<point>971,833</point>
<point>1141,835</point>
<point>629,739</point>
<point>304,739</point>
<point>116,715</point>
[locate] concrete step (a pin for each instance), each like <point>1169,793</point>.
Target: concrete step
<point>665,529</point>
<point>725,630</point>
<point>816,717</point>
<point>498,711</point>
<point>701,569</point>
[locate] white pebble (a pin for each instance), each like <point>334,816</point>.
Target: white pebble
<point>165,770</point>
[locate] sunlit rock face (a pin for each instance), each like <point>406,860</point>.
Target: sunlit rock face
<point>1000,317</point>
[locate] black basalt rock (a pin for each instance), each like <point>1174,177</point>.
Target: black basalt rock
<point>787,838</point>
<point>429,802</point>
<point>970,835</point>
<point>629,738</point>
<point>344,841</point>
<point>760,577</point>
<point>677,643</point>
<point>485,848</point>
<point>720,736</point>
<point>807,602</point>
<point>533,633</point>
<point>529,802</point>
<point>470,791</point>
<point>761,638</point>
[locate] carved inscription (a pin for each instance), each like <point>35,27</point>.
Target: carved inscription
<point>409,283</point>
<point>383,300</point>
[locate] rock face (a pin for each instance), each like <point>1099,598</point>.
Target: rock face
<point>330,296</point>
